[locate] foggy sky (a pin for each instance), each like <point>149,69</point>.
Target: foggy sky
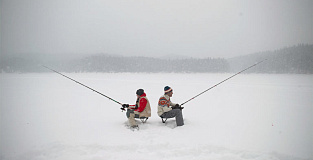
<point>154,28</point>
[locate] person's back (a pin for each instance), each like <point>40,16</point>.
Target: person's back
<point>144,109</point>
<point>164,104</point>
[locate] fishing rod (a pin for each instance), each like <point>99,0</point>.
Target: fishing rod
<point>223,81</point>
<point>84,85</point>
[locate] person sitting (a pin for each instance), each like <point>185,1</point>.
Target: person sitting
<point>167,109</point>
<point>140,110</point>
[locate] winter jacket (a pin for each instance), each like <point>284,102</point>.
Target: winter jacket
<point>164,104</point>
<point>142,106</point>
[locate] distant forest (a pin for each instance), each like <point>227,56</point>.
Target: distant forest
<point>295,60</point>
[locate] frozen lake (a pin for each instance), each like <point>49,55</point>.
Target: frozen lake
<point>251,116</point>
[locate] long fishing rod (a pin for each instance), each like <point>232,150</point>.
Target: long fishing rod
<point>84,85</point>
<point>223,81</point>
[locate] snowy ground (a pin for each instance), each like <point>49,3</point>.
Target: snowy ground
<point>249,117</point>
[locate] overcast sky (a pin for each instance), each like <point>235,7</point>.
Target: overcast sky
<point>154,28</point>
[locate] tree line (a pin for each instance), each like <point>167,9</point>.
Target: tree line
<point>296,60</point>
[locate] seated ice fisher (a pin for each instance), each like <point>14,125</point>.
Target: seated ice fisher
<point>139,110</point>
<point>167,109</point>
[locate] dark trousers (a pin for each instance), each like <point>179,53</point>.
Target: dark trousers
<point>177,113</point>
<point>129,111</point>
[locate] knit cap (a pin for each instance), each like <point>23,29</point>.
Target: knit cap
<point>139,92</point>
<point>167,89</point>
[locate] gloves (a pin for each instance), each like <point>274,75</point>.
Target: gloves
<point>177,106</point>
<point>124,106</point>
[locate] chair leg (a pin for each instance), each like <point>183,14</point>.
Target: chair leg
<point>144,120</point>
<point>164,120</point>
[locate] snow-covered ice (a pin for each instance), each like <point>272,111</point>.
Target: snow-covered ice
<point>251,116</point>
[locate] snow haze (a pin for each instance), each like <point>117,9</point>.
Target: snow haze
<point>212,28</point>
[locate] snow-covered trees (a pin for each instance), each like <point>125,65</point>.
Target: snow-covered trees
<point>297,59</point>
